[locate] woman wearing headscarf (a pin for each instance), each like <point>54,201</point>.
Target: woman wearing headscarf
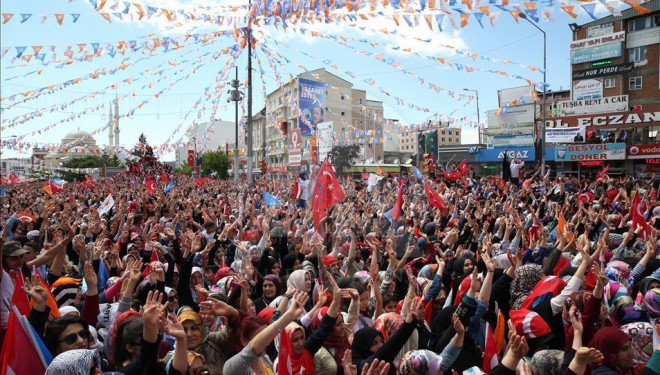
<point>270,290</point>
<point>617,350</point>
<point>76,362</point>
<point>298,280</point>
<point>302,350</point>
<point>387,324</point>
<point>524,280</point>
<point>368,344</point>
<point>422,362</point>
<point>641,335</point>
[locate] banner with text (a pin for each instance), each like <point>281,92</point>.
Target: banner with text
<point>598,41</point>
<point>295,148</point>
<point>599,151</point>
<point>602,52</point>
<point>324,131</point>
<point>607,120</point>
<point>522,153</point>
<point>512,120</point>
<point>311,102</point>
<point>565,135</point>
<point>588,89</point>
<point>588,106</point>
<point>501,141</point>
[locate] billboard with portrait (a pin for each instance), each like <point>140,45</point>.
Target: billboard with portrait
<point>311,101</point>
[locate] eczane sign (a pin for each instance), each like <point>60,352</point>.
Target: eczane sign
<point>608,120</point>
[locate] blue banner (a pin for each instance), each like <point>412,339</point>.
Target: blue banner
<point>311,101</point>
<point>588,54</point>
<point>495,155</point>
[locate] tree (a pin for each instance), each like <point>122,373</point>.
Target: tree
<point>215,162</point>
<point>343,156</point>
<point>184,169</point>
<point>87,161</point>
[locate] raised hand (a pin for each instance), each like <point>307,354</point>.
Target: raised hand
<point>576,320</point>
<point>37,292</point>
<point>171,326</point>
<point>586,355</point>
<point>215,307</point>
<point>347,363</point>
<point>297,305</point>
<point>90,279</point>
<point>458,326</point>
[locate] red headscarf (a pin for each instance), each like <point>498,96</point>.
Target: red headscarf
<point>609,341</point>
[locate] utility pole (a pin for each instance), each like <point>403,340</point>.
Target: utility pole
<point>235,96</point>
<point>249,95</point>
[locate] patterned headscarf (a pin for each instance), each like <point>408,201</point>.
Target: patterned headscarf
<point>652,302</point>
<point>524,280</point>
<point>387,324</point>
<point>420,362</point>
<point>612,292</point>
<point>75,362</point>
<point>224,286</point>
<point>625,310</point>
<point>618,271</point>
<point>548,362</point>
<point>362,277</point>
<point>641,334</point>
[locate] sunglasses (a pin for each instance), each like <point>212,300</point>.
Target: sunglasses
<point>71,338</point>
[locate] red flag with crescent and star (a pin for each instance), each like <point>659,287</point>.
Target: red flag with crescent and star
<point>638,208</point>
<point>151,185</point>
<point>327,192</point>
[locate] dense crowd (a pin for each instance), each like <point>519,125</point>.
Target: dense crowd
<point>532,275</point>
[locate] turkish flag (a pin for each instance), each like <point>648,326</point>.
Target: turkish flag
<point>434,198</point>
<point>191,158</point>
<point>452,176</point>
<point>638,208</point>
<point>88,183</point>
<point>463,167</point>
<point>396,210</point>
<point>151,185</point>
<point>4,181</point>
<point>490,360</point>
<point>284,365</point>
<point>327,192</point>
<point>199,182</point>
<point>164,178</point>
<point>20,298</point>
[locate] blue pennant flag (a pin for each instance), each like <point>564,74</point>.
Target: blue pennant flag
<point>19,51</point>
<point>418,174</point>
<point>169,186</point>
<point>270,200</point>
<point>3,192</point>
<point>25,16</point>
<point>75,16</point>
<point>388,215</point>
<point>103,276</point>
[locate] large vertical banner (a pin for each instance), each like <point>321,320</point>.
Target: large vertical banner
<point>324,138</point>
<point>311,102</point>
<point>295,148</point>
<point>191,158</point>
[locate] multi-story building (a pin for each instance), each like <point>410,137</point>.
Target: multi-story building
<point>446,136</point>
<point>355,120</point>
<point>215,136</point>
<point>17,166</point>
<point>615,96</point>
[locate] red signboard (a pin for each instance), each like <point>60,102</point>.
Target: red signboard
<point>652,161</point>
<point>592,163</point>
<point>644,151</point>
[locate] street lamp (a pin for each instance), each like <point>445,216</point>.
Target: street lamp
<point>478,114</point>
<point>235,96</point>
<point>542,128</point>
<point>195,154</point>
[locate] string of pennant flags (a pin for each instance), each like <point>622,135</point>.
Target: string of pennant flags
<point>169,64</point>
<point>16,143</point>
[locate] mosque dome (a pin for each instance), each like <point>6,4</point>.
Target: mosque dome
<point>77,135</point>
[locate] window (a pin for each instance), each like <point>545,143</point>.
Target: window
<point>342,113</point>
<point>360,100</point>
<point>342,96</point>
<point>637,54</point>
<point>642,23</point>
<point>610,83</point>
<point>443,139</point>
<point>635,83</point>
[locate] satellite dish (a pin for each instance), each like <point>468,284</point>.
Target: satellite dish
<point>396,161</point>
<point>409,161</point>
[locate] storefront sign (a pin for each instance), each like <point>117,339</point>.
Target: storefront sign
<point>608,120</point>
<point>603,71</point>
<point>599,30</point>
<point>279,169</point>
<point>599,151</point>
<point>522,153</point>
<point>598,41</point>
<point>512,120</point>
<point>652,161</point>
<point>644,151</point>
<point>606,51</point>
<point>585,107</point>
<point>588,89</point>
<point>565,135</point>
<point>644,37</point>
<point>592,163</point>
<point>501,141</point>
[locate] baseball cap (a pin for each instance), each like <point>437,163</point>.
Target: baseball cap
<point>13,249</point>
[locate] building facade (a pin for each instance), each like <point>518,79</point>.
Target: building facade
<point>346,112</point>
<point>216,135</point>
